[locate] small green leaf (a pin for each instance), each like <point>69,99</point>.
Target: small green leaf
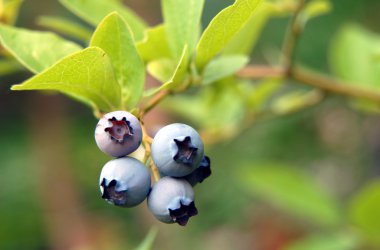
<point>36,50</point>
<point>147,243</point>
<point>161,71</point>
<point>182,21</point>
<point>261,92</point>
<point>93,11</point>
<point>292,190</point>
<point>65,26</point>
<point>364,211</point>
<point>244,41</point>
<point>86,75</point>
<point>222,67</point>
<point>155,45</point>
<point>223,28</point>
<point>316,8</point>
<point>114,37</point>
<point>352,56</point>
<point>10,11</point>
<point>332,241</point>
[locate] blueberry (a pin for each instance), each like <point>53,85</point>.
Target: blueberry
<point>118,133</point>
<point>200,173</point>
<point>177,149</point>
<point>171,200</point>
<point>124,182</point>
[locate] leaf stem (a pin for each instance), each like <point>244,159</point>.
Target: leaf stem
<point>154,102</point>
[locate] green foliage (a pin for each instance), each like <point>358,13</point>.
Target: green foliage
<point>9,10</point>
<point>182,21</point>
<point>223,28</point>
<point>294,191</point>
<point>93,11</point>
<point>86,75</point>
<point>21,42</point>
<point>364,209</point>
<point>155,45</point>
<point>113,36</point>
<point>222,67</point>
<point>65,27</point>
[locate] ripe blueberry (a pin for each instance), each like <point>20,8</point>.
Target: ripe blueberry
<point>177,150</point>
<point>200,173</point>
<point>124,182</point>
<point>172,200</point>
<point>118,133</point>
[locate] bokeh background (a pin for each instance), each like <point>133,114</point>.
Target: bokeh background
<point>301,181</point>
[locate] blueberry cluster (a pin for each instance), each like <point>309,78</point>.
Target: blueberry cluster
<point>177,152</point>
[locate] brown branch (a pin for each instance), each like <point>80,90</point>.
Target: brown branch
<point>307,77</point>
<point>154,102</point>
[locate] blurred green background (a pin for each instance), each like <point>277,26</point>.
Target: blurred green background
<point>308,180</point>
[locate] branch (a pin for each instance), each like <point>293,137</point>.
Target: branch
<point>310,78</point>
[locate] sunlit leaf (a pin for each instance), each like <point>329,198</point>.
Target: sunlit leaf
<point>182,21</point>
<point>65,26</point>
<point>316,8</point>
<point>332,241</point>
<point>364,209</point>
<point>244,41</point>
<point>222,67</point>
<point>86,75</point>
<point>114,37</point>
<point>36,50</point>
<point>161,70</point>
<point>222,28</point>
<point>155,44</point>
<point>292,190</point>
<point>93,11</point>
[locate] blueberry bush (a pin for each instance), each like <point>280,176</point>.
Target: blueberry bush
<point>291,127</point>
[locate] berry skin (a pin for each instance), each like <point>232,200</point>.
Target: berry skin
<point>177,150</point>
<point>172,200</point>
<point>200,173</point>
<point>124,182</point>
<point>118,133</point>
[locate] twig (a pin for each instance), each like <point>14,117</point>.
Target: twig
<point>147,141</point>
<point>291,37</point>
<point>310,78</point>
<point>154,102</point>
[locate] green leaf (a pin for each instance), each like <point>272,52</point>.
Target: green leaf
<point>182,21</point>
<point>147,243</point>
<point>222,28</point>
<point>259,95</point>
<point>114,37</point>
<point>244,41</point>
<point>333,241</point>
<point>36,50</point>
<point>293,191</point>
<point>65,26</point>
<point>352,56</point>
<point>10,11</point>
<point>155,44</point>
<point>316,8</point>
<point>93,11</point>
<point>364,211</point>
<point>161,71</point>
<point>222,67</point>
<point>295,101</point>
<point>86,75</point>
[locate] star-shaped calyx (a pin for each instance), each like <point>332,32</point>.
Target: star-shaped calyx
<point>183,213</point>
<point>110,194</point>
<point>186,151</point>
<point>119,130</point>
